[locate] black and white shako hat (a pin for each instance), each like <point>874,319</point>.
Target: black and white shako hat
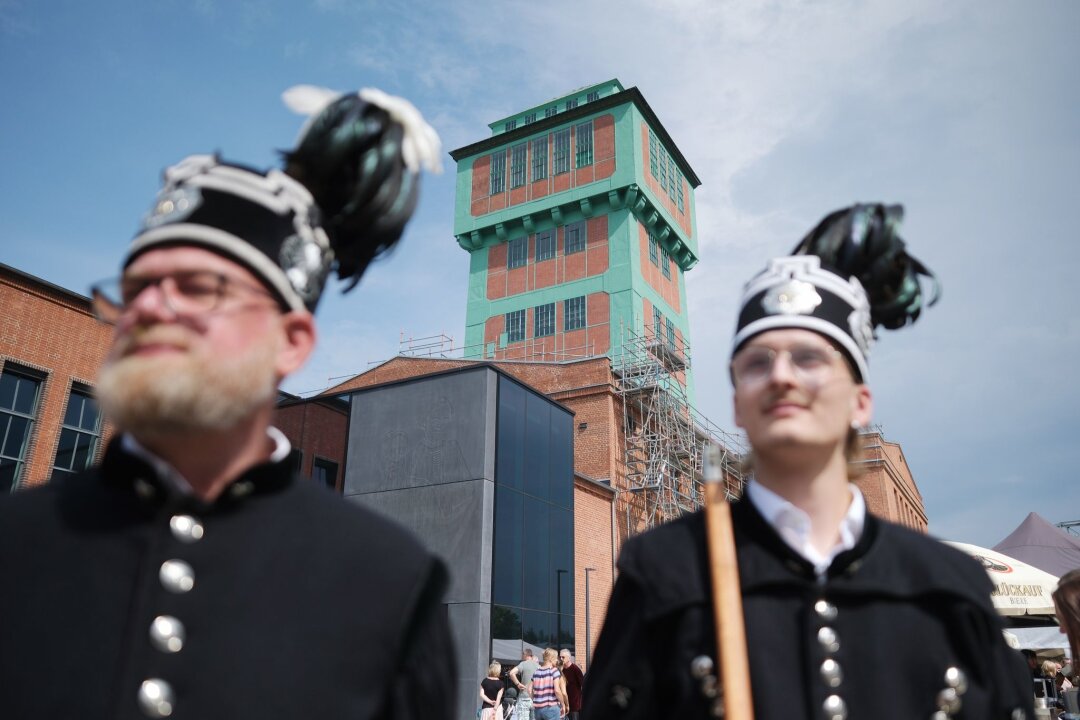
<point>267,222</point>
<point>796,292</point>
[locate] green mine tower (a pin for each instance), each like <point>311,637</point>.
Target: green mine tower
<point>578,215</point>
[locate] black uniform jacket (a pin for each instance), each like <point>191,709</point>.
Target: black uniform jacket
<point>873,640</point>
<point>292,604</point>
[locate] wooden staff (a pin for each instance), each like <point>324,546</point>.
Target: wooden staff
<point>734,663</point>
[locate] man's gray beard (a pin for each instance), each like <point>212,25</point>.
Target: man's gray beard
<point>158,395</point>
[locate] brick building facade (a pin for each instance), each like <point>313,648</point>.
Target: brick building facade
<point>50,349</point>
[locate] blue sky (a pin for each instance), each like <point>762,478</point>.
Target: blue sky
<point>966,112</point>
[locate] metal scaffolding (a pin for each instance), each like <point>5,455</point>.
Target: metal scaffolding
<point>664,436</point>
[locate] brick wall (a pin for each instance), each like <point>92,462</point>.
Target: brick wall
<point>504,282</point>
<point>53,334</point>
<point>888,485</point>
<point>653,183</point>
<point>317,429</point>
<point>594,540</point>
<point>666,288</point>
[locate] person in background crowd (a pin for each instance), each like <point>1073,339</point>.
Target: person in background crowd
<point>548,689</point>
<point>521,676</point>
<point>192,575</point>
<point>491,693</point>
<point>574,679</point>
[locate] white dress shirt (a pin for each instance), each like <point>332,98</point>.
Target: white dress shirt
<point>793,524</point>
<point>168,474</point>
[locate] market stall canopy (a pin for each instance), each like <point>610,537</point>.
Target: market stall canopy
<point>1019,588</point>
<point>1037,542</point>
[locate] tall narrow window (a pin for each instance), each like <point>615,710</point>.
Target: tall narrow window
<point>671,335</point>
<point>549,112</point>
<point>575,237</point>
<point>80,434</point>
<point>498,172</point>
<point>561,155</point>
<point>18,407</point>
<point>545,245</point>
<point>515,326</point>
<point>665,265</point>
<point>324,472</point>
<point>673,178</point>
<point>544,319</point>
<point>574,313</point>
<point>509,125</point>
<point>584,154</point>
<point>571,104</point>
<point>679,191</point>
<point>657,322</point>
<point>592,97</point>
<point>530,118</point>
<point>516,252</point>
<point>539,158</point>
<point>654,249</point>
<point>663,169</point>
<point>517,165</point>
<point>653,155</point>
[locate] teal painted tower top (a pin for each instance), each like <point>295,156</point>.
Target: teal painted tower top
<point>579,217</point>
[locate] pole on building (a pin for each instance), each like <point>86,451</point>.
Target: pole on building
<point>588,633</point>
<point>734,672</point>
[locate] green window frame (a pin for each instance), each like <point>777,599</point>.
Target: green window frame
<point>665,265</point>
<point>19,396</point>
<point>663,170</point>
<point>515,326</point>
<point>592,97</point>
<point>657,322</point>
<point>80,434</point>
<point>539,158</point>
<point>653,162</point>
<point>673,178</point>
<point>574,313</point>
<point>551,111</point>
<point>571,104</point>
<point>654,249</point>
<point>679,192</point>
<point>671,335</point>
<point>584,153</point>
<point>517,165</point>
<point>545,245</point>
<point>544,320</point>
<point>498,173</point>
<point>560,156</point>
<point>517,252</point>
<point>576,237</point>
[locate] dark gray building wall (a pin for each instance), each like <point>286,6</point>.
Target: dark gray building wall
<point>423,453</point>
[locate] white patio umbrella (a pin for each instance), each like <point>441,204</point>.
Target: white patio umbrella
<point>1019,588</point>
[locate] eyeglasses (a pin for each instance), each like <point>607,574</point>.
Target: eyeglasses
<point>195,292</point>
<point>810,365</point>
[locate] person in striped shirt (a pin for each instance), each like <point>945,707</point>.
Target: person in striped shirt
<point>549,689</point>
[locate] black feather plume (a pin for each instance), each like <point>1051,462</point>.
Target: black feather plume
<point>864,241</point>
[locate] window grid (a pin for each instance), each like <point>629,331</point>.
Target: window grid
<point>654,249</point>
<point>551,111</point>
<point>498,172</point>
<point>652,155</point>
<point>680,194</point>
<point>530,118</point>
<point>671,335</point>
<point>571,104</point>
<point>80,434</point>
<point>515,326</point>
<point>663,170</point>
<point>18,407</point>
<point>574,313</point>
<point>584,154</point>
<point>545,245</point>
<point>324,472</point>
<point>510,125</point>
<point>593,96</point>
<point>665,265</point>
<point>539,159</point>
<point>657,322</point>
<point>673,178</point>
<point>516,253</point>
<point>517,165</point>
<point>576,236</point>
<point>544,319</point>
<point>561,155</point>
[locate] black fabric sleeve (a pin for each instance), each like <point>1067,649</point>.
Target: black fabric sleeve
<point>620,681</point>
<point>424,684</point>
